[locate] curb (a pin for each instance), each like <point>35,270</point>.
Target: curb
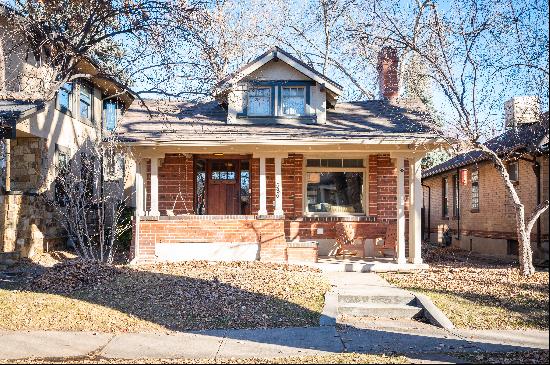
<point>433,314</point>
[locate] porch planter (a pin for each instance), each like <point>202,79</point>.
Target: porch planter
<point>302,251</point>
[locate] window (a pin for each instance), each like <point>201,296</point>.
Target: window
<point>445,198</point>
<point>456,197</point>
<point>259,102</point>
<point>335,186</point>
<point>513,171</point>
<point>85,102</point>
<point>223,171</point>
<point>62,171</point>
<point>113,166</point>
<point>65,98</point>
<point>245,187</point>
<point>294,102</point>
<point>475,190</point>
<point>110,114</point>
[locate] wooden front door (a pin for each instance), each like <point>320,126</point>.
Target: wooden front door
<point>223,187</point>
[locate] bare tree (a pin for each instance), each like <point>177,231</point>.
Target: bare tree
<point>74,39</point>
<point>474,54</point>
<point>89,197</point>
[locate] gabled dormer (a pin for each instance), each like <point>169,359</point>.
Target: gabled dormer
<point>276,87</point>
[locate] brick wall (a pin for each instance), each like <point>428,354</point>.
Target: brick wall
<point>176,184</point>
<point>268,233</point>
<point>496,216</point>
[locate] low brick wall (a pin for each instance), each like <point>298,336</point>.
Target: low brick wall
<point>267,233</point>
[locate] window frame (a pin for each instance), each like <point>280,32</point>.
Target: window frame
<point>303,88</point>
<point>58,106</point>
<point>86,86</point>
<point>270,101</point>
<point>516,164</point>
<point>364,170</point>
<point>445,198</point>
<point>474,207</point>
<point>104,113</point>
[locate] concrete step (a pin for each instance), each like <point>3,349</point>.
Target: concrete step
<point>397,297</point>
<point>379,310</point>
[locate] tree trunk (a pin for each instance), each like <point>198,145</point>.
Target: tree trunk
<point>524,239</point>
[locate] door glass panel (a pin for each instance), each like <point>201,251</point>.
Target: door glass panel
<point>200,197</point>
<point>245,187</point>
<point>223,171</point>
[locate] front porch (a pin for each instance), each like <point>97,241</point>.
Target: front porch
<point>282,207</point>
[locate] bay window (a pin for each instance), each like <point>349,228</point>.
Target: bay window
<point>335,186</point>
<point>259,101</point>
<point>294,101</point>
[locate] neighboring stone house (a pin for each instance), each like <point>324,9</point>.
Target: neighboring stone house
<point>275,164</point>
<point>465,196</point>
<point>36,135</point>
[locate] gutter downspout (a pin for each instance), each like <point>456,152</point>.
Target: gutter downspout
<point>7,144</point>
<point>429,208</point>
<point>458,202</point>
<point>536,167</point>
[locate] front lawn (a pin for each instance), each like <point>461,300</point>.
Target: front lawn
<point>479,294</point>
<point>79,296</point>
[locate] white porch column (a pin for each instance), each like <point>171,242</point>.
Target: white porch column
<point>401,259</point>
<point>263,188</point>
<point>415,208</point>
<point>154,187</point>
<point>139,190</point>
<point>278,188</point>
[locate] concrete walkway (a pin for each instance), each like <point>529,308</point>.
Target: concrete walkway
<point>419,342</point>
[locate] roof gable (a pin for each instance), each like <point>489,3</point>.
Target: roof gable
<point>276,53</point>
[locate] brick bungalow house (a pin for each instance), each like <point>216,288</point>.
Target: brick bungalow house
<point>465,196</point>
<point>37,136</point>
<point>276,166</point>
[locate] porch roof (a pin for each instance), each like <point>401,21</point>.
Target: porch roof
<point>363,122</point>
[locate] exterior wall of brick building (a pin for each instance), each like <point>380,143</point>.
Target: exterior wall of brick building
<point>488,230</point>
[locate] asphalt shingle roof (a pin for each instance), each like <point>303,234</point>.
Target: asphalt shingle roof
<point>187,122</point>
<point>531,137</point>
<point>11,110</point>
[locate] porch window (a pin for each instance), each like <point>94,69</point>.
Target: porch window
<point>294,101</point>
<point>85,102</point>
<point>333,188</point>
<point>259,101</point>
<point>65,98</point>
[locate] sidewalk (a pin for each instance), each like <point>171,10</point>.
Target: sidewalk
<point>421,342</point>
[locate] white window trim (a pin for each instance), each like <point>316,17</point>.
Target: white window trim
<point>364,170</point>
<point>271,96</point>
<point>283,97</point>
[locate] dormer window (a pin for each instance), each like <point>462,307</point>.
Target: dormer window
<point>294,101</point>
<point>259,101</point>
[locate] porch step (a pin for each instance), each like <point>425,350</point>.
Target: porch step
<point>379,310</point>
<point>396,298</point>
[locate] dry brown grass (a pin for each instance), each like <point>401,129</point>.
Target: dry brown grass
<point>478,294</point>
<point>187,296</point>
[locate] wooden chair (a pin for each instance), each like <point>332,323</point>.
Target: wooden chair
<point>388,242</point>
<point>347,244</point>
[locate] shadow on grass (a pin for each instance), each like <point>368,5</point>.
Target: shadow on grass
<point>183,304</point>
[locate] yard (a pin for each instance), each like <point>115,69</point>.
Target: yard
<point>477,293</point>
<point>78,296</point>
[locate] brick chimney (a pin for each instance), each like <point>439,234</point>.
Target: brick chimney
<point>387,73</point>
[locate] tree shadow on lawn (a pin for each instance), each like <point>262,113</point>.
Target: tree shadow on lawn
<point>183,304</point>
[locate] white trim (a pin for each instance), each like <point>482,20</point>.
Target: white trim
<point>263,188</point>
<point>278,188</point>
<point>154,211</point>
<point>415,205</point>
<point>270,56</point>
<point>401,210</point>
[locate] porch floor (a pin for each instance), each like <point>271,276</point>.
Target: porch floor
<point>360,264</point>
